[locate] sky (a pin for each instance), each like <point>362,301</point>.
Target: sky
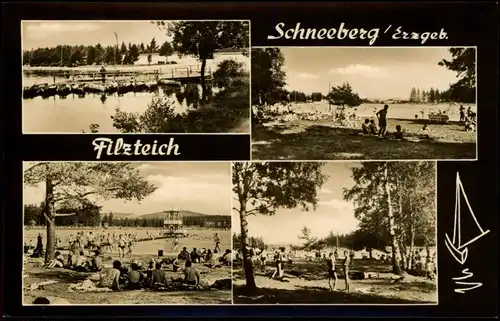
<point>40,34</point>
<point>374,73</point>
<point>332,213</point>
<point>198,187</point>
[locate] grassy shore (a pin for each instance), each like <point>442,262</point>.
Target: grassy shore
<point>143,251</point>
<point>34,274</point>
<point>307,283</point>
<point>323,140</point>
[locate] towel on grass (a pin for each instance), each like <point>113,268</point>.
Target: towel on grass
<point>86,286</point>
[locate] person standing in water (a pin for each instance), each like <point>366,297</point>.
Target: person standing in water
<point>382,120</point>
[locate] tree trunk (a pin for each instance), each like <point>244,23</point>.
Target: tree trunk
<point>412,236</point>
<point>403,249</point>
<point>412,244</point>
<point>50,215</point>
<point>247,260</point>
<point>203,82</point>
<point>401,229</point>
<point>396,254</point>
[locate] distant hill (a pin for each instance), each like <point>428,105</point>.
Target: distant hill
<point>184,213</point>
<point>122,215</point>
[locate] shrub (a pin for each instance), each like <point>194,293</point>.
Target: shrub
<point>226,72</point>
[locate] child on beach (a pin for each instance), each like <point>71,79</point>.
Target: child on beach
<point>373,127</point>
<point>399,132</point>
<point>366,126</point>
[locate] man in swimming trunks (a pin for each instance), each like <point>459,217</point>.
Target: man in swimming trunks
<point>347,261</point>
<point>382,120</point>
<point>217,242</point>
<point>191,275</point>
<point>332,274</point>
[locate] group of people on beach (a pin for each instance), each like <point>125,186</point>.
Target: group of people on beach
<point>332,260</point>
<point>109,242</point>
<point>281,257</point>
<point>368,127</point>
<point>154,275</point>
<point>468,119</point>
<point>206,256</point>
<point>137,275</point>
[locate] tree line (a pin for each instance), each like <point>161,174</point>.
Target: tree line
<point>269,80</point>
<point>68,56</point>
<point>422,96</point>
<point>434,96</point>
<point>360,239</point>
<point>91,216</point>
<point>253,242</point>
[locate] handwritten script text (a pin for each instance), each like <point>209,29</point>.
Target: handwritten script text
<point>342,32</point>
<point>112,148</point>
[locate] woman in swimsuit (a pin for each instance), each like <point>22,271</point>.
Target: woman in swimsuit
<point>121,246</point>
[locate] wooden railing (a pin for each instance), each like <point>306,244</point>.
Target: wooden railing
<point>75,74</point>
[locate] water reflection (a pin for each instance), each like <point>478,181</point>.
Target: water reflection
<point>75,112</point>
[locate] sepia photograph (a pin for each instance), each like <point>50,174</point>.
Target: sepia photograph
<point>126,233</point>
<point>334,233</point>
<point>136,76</point>
<point>364,103</point>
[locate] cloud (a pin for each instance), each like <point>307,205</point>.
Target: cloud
<point>145,167</point>
<point>325,190</point>
<point>210,195</point>
<point>337,204</point>
<point>188,188</point>
<point>306,75</point>
<point>358,70</point>
<point>51,29</point>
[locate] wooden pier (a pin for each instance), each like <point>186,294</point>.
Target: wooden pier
<point>81,82</point>
<point>144,73</point>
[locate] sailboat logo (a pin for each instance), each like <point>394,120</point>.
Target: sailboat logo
<point>456,246</point>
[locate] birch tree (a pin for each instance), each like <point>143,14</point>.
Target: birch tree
<point>396,200</point>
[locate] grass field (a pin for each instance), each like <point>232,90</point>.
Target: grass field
<point>307,283</point>
<point>323,139</point>
<point>143,251</point>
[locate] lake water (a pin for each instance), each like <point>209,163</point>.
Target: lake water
<point>366,110</point>
<point>74,114</point>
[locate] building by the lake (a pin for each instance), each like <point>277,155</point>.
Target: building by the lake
<point>219,56</point>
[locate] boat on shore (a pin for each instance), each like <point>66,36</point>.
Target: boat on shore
<point>169,82</point>
<point>64,89</point>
